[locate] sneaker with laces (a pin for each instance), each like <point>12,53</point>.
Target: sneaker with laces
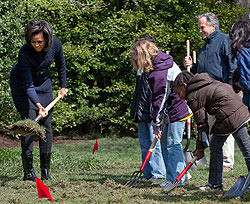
<point>164,184</point>
<point>188,176</point>
<point>156,179</point>
<point>210,186</point>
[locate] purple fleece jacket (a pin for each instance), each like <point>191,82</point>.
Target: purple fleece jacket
<point>177,109</point>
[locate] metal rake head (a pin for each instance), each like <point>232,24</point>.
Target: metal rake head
<point>135,179</point>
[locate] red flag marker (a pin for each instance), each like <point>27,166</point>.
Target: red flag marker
<point>43,191</point>
<point>95,146</point>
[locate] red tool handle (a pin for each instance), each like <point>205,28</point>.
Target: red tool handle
<point>184,171</point>
<point>151,149</point>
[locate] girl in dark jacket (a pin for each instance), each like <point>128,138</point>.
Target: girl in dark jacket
<point>140,113</point>
<point>31,89</point>
<point>204,96</point>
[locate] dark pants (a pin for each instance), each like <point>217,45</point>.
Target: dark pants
<point>27,141</point>
<point>216,154</point>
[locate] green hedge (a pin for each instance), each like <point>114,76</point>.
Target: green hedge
<point>96,41</point>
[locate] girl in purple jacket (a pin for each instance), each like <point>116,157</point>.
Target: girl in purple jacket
<point>168,110</point>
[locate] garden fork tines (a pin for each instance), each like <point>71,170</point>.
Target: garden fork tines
<point>135,179</point>
<point>137,176</point>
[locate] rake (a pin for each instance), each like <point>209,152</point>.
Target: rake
<point>137,176</point>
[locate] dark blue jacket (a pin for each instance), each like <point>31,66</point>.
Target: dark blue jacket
<point>30,78</point>
<point>215,58</point>
<point>141,105</point>
<point>244,66</point>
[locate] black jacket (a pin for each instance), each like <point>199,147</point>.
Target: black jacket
<point>141,105</point>
<point>30,78</point>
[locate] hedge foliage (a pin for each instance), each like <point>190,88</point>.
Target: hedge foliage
<point>97,36</point>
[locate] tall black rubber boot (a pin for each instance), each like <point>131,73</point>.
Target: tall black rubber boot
<point>29,173</point>
<point>45,165</point>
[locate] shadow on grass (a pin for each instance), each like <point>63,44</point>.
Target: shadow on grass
<point>5,179</point>
<point>212,196</point>
<point>189,193</point>
<point>102,177</point>
<point>119,179</point>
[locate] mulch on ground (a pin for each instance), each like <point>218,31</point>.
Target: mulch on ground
<point>11,142</point>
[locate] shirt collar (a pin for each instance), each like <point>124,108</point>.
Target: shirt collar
<point>212,35</point>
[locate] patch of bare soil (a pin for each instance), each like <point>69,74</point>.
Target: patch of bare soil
<point>11,142</point>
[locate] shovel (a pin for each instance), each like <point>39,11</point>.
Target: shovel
<point>137,176</point>
<point>184,171</point>
<point>29,127</point>
<point>188,155</point>
<point>239,188</point>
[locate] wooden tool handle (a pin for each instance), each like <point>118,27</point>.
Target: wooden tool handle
<point>152,146</point>
<point>53,103</point>
<point>194,57</point>
<point>188,69</point>
<point>188,53</point>
<point>49,106</point>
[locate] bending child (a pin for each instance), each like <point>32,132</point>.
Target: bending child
<point>204,96</point>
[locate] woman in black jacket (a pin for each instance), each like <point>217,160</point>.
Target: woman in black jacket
<point>31,89</point>
<point>140,113</point>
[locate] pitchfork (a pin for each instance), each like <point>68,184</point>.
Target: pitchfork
<point>137,176</point>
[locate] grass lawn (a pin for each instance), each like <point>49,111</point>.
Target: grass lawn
<point>78,176</point>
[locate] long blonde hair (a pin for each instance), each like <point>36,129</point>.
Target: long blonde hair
<point>142,54</point>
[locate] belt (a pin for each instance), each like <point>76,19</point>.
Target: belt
<point>39,73</point>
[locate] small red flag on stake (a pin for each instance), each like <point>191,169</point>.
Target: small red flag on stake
<point>43,191</point>
<point>95,146</point>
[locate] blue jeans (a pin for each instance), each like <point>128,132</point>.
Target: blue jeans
<point>172,150</point>
<point>155,167</point>
<point>216,154</point>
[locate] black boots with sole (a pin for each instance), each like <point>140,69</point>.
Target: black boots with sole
<point>45,165</point>
<point>29,173</point>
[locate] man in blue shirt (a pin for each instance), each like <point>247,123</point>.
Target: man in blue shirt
<point>215,59</point>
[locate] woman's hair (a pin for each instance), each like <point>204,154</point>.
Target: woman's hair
<point>211,19</point>
<point>240,37</point>
<point>37,26</point>
<point>142,54</point>
<point>236,81</point>
<point>146,37</point>
<point>183,77</point>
